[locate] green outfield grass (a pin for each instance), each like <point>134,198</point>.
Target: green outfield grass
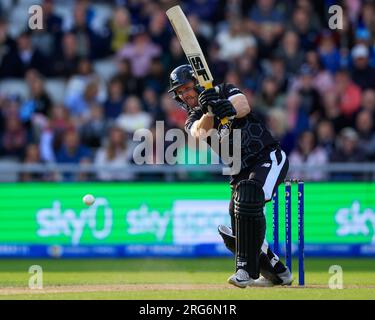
<point>175,279</point>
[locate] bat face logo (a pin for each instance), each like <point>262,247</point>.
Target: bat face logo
<point>198,66</point>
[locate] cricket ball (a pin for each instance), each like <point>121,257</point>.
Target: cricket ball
<point>88,199</point>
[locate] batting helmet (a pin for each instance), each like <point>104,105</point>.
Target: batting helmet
<point>180,76</point>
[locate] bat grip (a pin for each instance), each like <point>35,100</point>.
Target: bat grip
<point>224,120</point>
<point>209,85</point>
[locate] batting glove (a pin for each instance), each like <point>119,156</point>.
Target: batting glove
<point>223,108</point>
<point>206,98</point>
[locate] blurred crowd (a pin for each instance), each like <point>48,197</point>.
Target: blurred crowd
<point>314,87</point>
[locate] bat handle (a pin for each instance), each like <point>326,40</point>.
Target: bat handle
<point>226,127</point>
<point>224,121</point>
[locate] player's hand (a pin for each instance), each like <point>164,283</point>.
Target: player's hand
<point>206,98</point>
<point>223,108</point>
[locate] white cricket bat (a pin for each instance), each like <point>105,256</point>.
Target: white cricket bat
<point>190,45</point>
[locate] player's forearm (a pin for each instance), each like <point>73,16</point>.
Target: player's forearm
<point>201,127</point>
<point>241,105</point>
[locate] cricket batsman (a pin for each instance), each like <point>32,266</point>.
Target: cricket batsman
<point>264,166</point>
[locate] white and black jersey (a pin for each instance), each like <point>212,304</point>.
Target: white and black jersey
<point>255,137</point>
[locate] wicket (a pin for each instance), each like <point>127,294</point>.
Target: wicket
<point>288,226</point>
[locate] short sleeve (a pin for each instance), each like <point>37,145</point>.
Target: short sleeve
<point>230,90</point>
<point>193,116</point>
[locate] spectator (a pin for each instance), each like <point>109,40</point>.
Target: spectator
<point>77,84</point>
<point>269,97</point>
<point>266,23</point>
<point>25,57</point>
<point>7,44</point>
<point>333,113</point>
<point>92,129</point>
<point>133,117</point>
<point>120,28</point>
<point>249,72</point>
<point>32,156</point>
<point>52,21</point>
<point>51,137</point>
<point>347,147</point>
<point>2,120</point>
<point>158,30</point>
<point>175,56</point>
<point>328,52</point>
<point>175,116</point>
<point>347,150</point>
<point>362,74</point>
<point>204,9</point>
<point>90,43</point>
<point>301,24</point>
<point>156,78</point>
<point>326,136</point>
<point>130,84</point>
<point>9,107</point>
<point>367,17</point>
<point>290,52</point>
<point>233,77</point>
<point>368,100</point>
<point>345,37</point>
<point>348,92</point>
<point>234,41</point>
<point>322,79</point>
<point>113,104</point>
<point>311,100</point>
<point>48,39</point>
<point>297,118</point>
<point>353,8</point>
<point>67,59</point>
<point>364,124</point>
<point>60,118</point>
<point>39,102</point>
<point>46,145</point>
<point>218,66</point>
<point>277,124</point>
<point>277,71</point>
<point>229,11</point>
<point>152,105</point>
<point>147,10</point>
<point>14,138</point>
<point>79,106</point>
<point>363,36</point>
<point>115,153</point>
<point>307,153</point>
<point>72,152</point>
<point>311,12</point>
<point>140,52</point>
